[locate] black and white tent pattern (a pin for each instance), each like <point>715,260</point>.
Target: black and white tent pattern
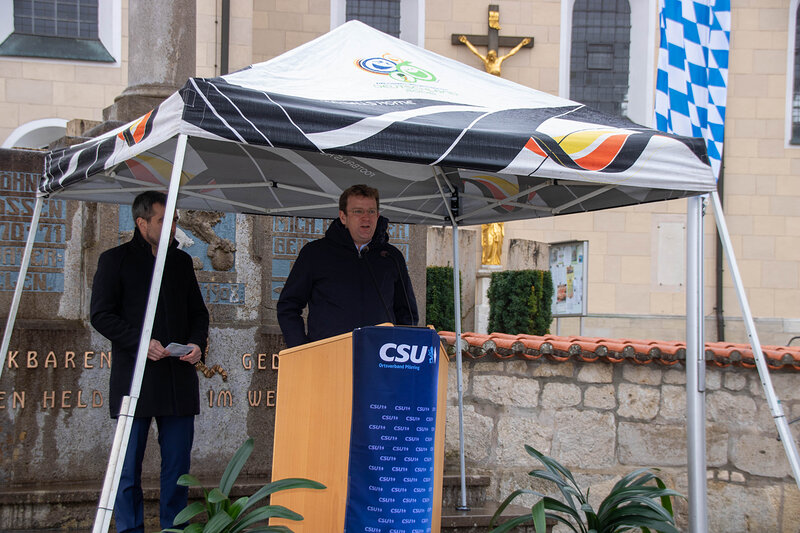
<point>357,106</point>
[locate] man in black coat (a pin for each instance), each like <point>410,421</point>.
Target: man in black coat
<point>170,390</point>
<point>350,278</point>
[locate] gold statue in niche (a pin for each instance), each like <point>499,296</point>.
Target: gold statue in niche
<point>491,61</point>
<point>491,243</point>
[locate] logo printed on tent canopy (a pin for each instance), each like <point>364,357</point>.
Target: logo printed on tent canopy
<point>584,146</point>
<point>395,68</point>
<point>139,129</point>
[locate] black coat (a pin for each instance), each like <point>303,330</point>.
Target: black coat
<point>119,301</point>
<point>343,289</point>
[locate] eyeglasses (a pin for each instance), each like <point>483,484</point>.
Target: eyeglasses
<point>361,212</point>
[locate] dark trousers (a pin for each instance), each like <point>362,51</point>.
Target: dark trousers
<point>175,436</point>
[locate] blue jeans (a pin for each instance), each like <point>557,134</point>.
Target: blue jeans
<point>175,436</point>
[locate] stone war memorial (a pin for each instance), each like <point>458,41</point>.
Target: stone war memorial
<point>54,417</point>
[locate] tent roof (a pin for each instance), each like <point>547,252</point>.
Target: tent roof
<point>358,106</point>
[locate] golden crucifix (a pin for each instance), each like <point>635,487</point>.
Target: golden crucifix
<point>492,61</point>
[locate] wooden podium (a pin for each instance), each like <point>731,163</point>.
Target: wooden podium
<point>313,427</point>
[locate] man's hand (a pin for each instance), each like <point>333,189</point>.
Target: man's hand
<point>156,351</point>
<point>194,355</point>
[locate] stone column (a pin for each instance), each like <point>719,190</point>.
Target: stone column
<point>161,55</point>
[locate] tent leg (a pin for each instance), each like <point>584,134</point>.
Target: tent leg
<point>695,367</point>
<point>775,406</point>
<point>125,420</point>
<point>462,505</point>
<point>23,272</point>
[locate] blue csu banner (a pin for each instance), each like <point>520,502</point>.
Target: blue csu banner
<point>390,474</point>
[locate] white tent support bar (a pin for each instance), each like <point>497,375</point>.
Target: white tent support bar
<point>583,198</point>
<point>255,185</point>
<point>775,406</point>
<point>23,272</point>
<point>445,199</point>
<point>695,368</point>
<point>422,214</point>
<point>462,506</point>
<point>410,198</point>
<point>510,200</point>
<point>437,173</point>
<point>216,199</point>
<point>126,418</point>
<point>105,508</point>
<point>149,184</point>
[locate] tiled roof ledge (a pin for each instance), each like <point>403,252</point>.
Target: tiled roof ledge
<point>501,346</point>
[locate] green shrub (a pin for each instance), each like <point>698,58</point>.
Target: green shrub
<point>519,302</point>
<point>439,304</point>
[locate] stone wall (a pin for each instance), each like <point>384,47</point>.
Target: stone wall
<point>604,420</point>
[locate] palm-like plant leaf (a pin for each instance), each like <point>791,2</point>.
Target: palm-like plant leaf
<point>512,524</point>
<point>265,513</point>
<point>510,498</point>
<point>189,512</point>
<point>237,507</point>
<point>281,484</point>
<point>640,500</point>
<point>216,496</point>
<point>539,517</point>
<point>235,466</point>
<point>187,480</point>
<point>226,517</point>
<point>218,523</point>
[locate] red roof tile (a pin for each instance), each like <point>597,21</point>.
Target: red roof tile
<point>589,349</point>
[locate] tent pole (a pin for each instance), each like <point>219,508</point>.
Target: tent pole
<point>462,505</point>
<point>775,406</point>
<point>23,272</point>
<point>695,367</point>
<point>125,420</point>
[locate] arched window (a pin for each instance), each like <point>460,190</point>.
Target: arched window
<point>597,67</point>
<point>382,15</point>
<point>36,134</point>
<point>82,30</point>
<point>600,59</point>
<point>401,18</point>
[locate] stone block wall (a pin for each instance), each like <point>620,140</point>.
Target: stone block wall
<point>604,420</point>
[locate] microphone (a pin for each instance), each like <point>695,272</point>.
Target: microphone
<point>385,253</point>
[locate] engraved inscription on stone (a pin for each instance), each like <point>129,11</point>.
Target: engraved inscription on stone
<point>17,200</point>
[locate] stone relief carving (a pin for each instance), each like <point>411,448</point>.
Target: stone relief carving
<point>201,224</point>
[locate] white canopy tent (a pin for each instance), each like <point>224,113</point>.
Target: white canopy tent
<point>444,143</point>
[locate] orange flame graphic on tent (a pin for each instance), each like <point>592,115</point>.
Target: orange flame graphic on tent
<point>139,129</point>
<point>602,150</point>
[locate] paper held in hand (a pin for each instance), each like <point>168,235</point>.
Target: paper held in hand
<point>178,350</point>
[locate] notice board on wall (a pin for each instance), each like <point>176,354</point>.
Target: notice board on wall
<point>569,269</point>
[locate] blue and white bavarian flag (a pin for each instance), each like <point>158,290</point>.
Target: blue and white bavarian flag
<point>691,87</point>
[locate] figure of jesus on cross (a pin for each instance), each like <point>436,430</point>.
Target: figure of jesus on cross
<point>492,61</point>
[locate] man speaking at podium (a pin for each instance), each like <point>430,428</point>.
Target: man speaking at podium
<point>350,278</point>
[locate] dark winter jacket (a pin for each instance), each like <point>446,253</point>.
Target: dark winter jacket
<point>343,289</point>
<point>119,301</point>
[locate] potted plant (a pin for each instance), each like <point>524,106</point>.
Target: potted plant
<point>639,500</point>
<point>224,516</point>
